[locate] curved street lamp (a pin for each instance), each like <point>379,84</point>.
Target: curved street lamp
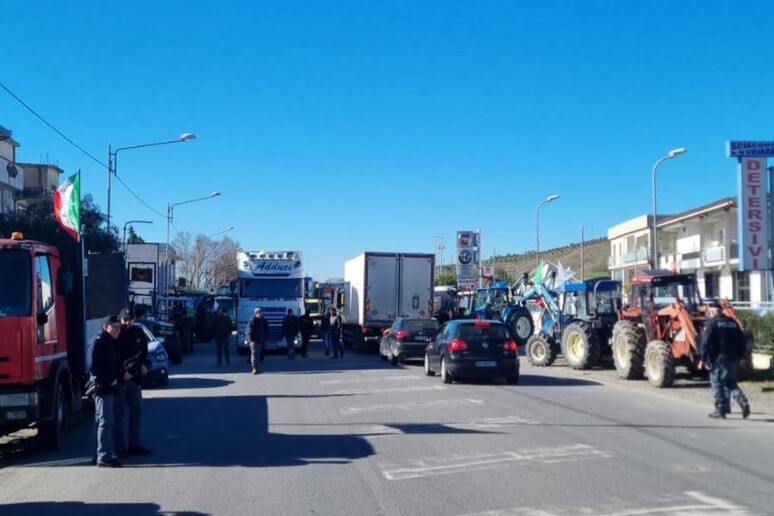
<point>113,161</point>
<point>221,232</point>
<point>654,239</point>
<point>133,222</point>
<point>170,214</point>
<point>550,198</point>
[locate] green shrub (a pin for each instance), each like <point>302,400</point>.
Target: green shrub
<point>762,327</point>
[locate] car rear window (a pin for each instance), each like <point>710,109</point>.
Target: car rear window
<point>471,332</point>
<point>427,325</point>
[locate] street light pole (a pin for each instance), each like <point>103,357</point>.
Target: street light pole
<point>550,198</point>
<point>113,162</point>
<point>170,215</point>
<point>654,234</point>
<point>133,222</point>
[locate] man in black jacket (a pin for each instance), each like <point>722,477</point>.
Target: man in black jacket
<point>306,326</point>
<point>221,331</point>
<point>290,328</point>
<point>133,350</point>
<point>722,346</point>
<point>107,372</point>
<point>257,332</point>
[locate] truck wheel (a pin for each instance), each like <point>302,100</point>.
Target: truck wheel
<point>580,346</point>
<point>541,351</point>
<point>628,350</point>
<point>521,325</point>
<point>428,371</point>
<point>51,432</point>
<point>659,364</point>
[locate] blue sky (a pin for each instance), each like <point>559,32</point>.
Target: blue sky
<point>350,126</point>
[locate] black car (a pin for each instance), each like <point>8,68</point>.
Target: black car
<point>466,348</point>
<point>407,338</point>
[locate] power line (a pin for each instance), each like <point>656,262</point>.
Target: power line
<point>57,131</point>
<point>71,142</point>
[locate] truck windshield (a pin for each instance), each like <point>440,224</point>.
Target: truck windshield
<point>15,288</point>
<point>271,288</point>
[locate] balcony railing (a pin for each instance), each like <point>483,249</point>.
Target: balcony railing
<point>641,255</point>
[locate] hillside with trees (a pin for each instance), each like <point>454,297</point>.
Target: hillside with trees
<point>588,259</point>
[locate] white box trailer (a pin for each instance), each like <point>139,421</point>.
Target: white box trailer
<point>382,287</point>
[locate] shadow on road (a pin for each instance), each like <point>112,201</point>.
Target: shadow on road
<point>83,508</point>
<point>196,383</point>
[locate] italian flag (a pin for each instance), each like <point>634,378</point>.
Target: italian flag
<point>67,205</point>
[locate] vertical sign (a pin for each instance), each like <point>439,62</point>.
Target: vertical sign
<point>753,215</point>
<point>467,243</point>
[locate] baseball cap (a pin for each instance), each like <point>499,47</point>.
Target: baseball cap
<point>126,313</point>
<point>111,320</point>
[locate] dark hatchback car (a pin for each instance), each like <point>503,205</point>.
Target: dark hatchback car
<point>407,339</point>
<point>466,348</point>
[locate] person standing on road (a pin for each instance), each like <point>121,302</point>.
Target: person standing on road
<point>221,331</point>
<point>290,328</point>
<point>133,350</point>
<point>107,371</point>
<point>334,321</point>
<point>722,346</point>
<point>307,328</point>
<point>257,332</point>
<point>325,333</point>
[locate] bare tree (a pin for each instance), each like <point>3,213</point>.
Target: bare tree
<point>205,263</point>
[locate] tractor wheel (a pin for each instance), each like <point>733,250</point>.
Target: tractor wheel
<point>541,351</point>
<point>628,350</point>
<point>521,325</point>
<point>659,364</point>
<point>580,346</point>
<point>174,349</point>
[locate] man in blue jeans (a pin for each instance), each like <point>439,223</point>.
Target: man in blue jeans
<point>133,349</point>
<point>106,372</point>
<point>722,346</point>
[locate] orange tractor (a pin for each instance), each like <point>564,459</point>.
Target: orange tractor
<point>661,328</point>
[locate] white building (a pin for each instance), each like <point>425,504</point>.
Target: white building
<point>703,240</point>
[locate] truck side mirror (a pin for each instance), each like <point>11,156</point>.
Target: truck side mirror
<point>41,318</point>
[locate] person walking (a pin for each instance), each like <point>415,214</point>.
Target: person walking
<point>221,331</point>
<point>334,322</point>
<point>257,332</point>
<point>307,329</point>
<point>290,328</point>
<point>133,351</point>
<point>106,371</point>
<point>722,346</point>
<point>325,332</point>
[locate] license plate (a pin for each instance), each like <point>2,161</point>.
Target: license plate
<point>422,338</point>
<point>485,363</point>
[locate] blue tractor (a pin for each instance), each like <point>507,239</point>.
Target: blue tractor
<point>578,322</point>
<point>502,302</point>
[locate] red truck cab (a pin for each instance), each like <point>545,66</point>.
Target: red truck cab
<point>37,383</point>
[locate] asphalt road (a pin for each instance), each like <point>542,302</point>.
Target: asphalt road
<point>359,437</point>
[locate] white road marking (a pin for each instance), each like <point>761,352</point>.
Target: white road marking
<point>396,389</point>
<point>372,379</point>
<point>685,504</point>
<point>409,405</point>
<point>496,422</point>
<point>434,466</point>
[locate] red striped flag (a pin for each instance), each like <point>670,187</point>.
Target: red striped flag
<point>67,205</point>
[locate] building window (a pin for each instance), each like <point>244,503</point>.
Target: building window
<point>742,280</point>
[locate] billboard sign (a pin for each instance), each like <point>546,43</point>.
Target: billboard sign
<point>750,149</point>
